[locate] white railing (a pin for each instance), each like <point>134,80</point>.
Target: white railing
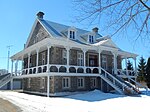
<point>5,78</point>
<point>45,68</point>
<point>126,72</point>
<point>136,83</point>
<point>116,81</point>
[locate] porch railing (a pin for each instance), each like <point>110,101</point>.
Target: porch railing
<point>126,72</point>
<point>58,68</point>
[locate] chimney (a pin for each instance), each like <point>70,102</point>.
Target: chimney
<point>40,15</point>
<point>95,30</point>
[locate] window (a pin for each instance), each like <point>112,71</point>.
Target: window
<point>104,62</point>
<point>66,82</point>
<point>43,58</point>
<point>29,83</point>
<point>93,82</point>
<point>72,34</point>
<point>91,39</point>
<point>64,54</point>
<point>80,82</point>
<point>80,59</point>
<point>42,83</point>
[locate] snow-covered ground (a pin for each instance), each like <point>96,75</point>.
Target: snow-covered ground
<point>94,101</point>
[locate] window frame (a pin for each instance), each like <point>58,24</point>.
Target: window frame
<point>42,83</point>
<point>104,62</point>
<point>80,59</point>
<point>94,82</point>
<point>91,38</point>
<point>66,84</point>
<point>64,54</point>
<point>72,34</point>
<point>43,57</point>
<point>80,82</point>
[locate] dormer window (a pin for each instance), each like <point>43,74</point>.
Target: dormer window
<point>91,39</point>
<point>72,34</point>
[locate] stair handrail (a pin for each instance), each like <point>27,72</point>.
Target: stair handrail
<point>140,85</point>
<point>6,77</point>
<point>122,84</point>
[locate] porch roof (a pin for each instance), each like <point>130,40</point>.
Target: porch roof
<point>64,42</point>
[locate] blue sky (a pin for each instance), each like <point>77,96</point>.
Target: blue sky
<point>18,16</point>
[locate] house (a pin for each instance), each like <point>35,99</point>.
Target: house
<point>59,60</point>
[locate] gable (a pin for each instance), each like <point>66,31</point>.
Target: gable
<point>109,43</point>
<point>37,34</point>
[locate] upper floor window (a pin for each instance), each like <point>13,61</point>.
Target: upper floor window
<point>64,54</point>
<point>72,34</point>
<point>91,38</point>
<point>80,59</point>
<point>43,58</point>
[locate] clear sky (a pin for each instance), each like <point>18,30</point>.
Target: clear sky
<point>18,16</point>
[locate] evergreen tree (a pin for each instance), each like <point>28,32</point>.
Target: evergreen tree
<point>129,65</point>
<point>148,72</point>
<point>141,70</point>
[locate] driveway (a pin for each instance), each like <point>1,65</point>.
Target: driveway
<point>6,106</point>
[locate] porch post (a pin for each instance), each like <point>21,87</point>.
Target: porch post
<point>135,66</point>
<point>115,63</point>
<point>68,49</point>
<point>11,81</point>
<point>16,67</point>
<point>22,63</point>
<point>99,58</point>
<point>28,62</point>
<point>37,59</point>
<point>126,66</point>
<point>48,85</point>
<point>84,54</point>
<point>48,56</point>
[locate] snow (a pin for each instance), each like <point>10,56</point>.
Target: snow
<point>94,101</point>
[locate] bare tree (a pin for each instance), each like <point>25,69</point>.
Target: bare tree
<point>117,15</point>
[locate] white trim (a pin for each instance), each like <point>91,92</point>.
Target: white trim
<point>80,84</point>
<point>65,84</point>
<point>80,58</point>
<point>55,74</point>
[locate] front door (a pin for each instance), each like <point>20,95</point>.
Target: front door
<point>93,60</point>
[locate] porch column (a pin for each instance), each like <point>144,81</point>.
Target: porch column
<point>99,59</point>
<point>84,54</point>
<point>28,62</point>
<point>126,66</point>
<point>48,56</point>
<point>22,63</point>
<point>135,66</point>
<point>115,62</point>
<point>37,60</point>
<point>68,49</point>
<point>16,67</point>
<point>11,81</point>
<point>48,85</point>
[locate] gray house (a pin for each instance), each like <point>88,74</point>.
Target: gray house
<point>59,60</point>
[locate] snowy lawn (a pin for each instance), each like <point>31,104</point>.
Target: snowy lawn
<point>94,101</point>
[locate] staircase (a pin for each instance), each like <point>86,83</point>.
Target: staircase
<point>4,79</point>
<point>118,84</point>
<point>137,85</point>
